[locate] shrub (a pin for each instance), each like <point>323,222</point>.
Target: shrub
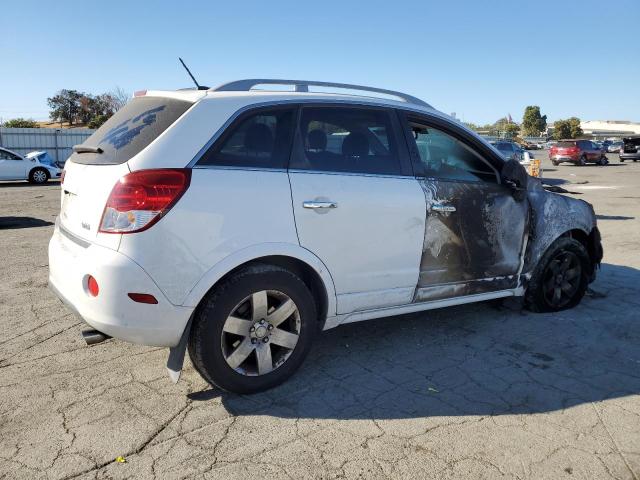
<point>21,123</point>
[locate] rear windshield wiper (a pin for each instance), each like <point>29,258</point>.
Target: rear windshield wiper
<point>86,149</point>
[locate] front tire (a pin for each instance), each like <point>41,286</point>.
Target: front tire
<point>253,331</point>
<point>38,176</point>
<point>561,277</point>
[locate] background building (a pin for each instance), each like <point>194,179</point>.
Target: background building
<point>610,128</point>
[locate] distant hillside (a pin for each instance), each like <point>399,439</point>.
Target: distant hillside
<point>64,126</point>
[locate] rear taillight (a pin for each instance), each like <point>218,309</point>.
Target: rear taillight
<point>62,177</point>
<point>140,199</point>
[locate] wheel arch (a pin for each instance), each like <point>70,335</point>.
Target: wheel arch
<point>591,242</point>
<point>39,167</point>
<point>294,258</point>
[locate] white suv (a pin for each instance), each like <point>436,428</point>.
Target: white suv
<point>240,222</point>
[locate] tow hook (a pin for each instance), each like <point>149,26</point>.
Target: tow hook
<point>93,337</point>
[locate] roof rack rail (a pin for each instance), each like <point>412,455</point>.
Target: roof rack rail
<point>303,86</point>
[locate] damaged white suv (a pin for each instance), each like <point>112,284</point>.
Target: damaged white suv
<point>240,222</point>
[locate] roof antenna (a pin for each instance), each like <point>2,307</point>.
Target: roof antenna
<point>200,87</point>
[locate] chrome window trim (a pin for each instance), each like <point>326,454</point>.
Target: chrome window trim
<point>293,102</point>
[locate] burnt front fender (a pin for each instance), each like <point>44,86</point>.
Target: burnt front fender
<point>554,215</point>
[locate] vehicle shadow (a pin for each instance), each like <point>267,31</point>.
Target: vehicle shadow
<point>470,360</point>
<point>608,165</point>
<point>10,223</point>
<point>21,184</point>
<point>614,217</point>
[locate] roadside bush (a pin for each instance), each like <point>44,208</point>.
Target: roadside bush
<point>97,121</point>
<point>21,123</point>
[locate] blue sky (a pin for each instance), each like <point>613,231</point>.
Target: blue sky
<point>480,59</point>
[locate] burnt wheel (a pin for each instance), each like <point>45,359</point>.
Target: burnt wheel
<point>253,331</point>
<point>561,278</point>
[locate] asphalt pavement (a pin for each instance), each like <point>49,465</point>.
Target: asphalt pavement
<point>478,391</point>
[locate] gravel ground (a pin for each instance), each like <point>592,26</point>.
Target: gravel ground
<point>479,391</point>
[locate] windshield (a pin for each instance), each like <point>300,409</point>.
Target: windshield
<point>131,129</point>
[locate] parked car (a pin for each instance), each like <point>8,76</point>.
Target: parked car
<point>509,150</point>
<point>630,149</point>
<point>579,152</point>
<point>44,158</point>
<point>614,147</point>
<point>14,166</point>
<point>512,150</point>
<point>238,223</point>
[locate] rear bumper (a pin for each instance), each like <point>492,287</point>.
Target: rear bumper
<point>112,311</point>
<point>564,158</point>
<point>629,156</point>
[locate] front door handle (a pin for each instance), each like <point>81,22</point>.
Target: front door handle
<point>443,208</point>
<point>314,204</point>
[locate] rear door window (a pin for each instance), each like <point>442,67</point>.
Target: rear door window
<point>347,139</point>
<point>131,129</point>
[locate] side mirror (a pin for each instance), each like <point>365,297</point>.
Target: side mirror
<point>516,178</point>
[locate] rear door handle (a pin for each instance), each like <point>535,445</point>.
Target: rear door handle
<point>443,208</point>
<point>314,204</point>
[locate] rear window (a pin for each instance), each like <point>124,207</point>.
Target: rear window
<point>131,129</point>
<point>565,144</point>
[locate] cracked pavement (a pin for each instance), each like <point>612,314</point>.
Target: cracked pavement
<point>477,391</point>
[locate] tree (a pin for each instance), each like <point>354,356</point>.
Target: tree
<point>561,130</point>
<point>532,122</point>
<point>574,127</point>
<point>65,106</point>
<point>511,129</point>
<point>119,98</point>
<point>505,125</point>
<point>97,121</point>
<point>21,123</point>
<point>567,129</point>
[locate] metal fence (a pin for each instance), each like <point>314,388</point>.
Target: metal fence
<point>56,141</point>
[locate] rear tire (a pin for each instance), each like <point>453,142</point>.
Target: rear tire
<point>554,163</point>
<point>582,161</point>
<point>38,176</point>
<point>561,277</point>
<point>227,342</point>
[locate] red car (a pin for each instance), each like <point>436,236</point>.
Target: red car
<point>579,152</point>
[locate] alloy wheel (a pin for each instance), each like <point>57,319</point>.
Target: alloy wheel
<point>562,279</point>
<point>261,333</point>
<point>39,176</point>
